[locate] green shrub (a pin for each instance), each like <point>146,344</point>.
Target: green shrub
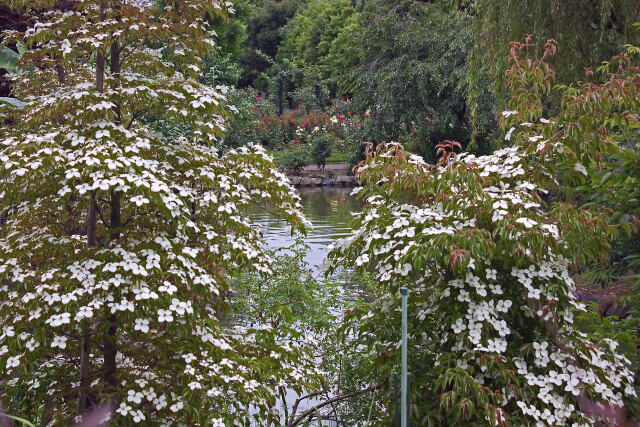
<point>293,162</point>
<point>487,246</point>
<point>311,301</point>
<point>320,149</point>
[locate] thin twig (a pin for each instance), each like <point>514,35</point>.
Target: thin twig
<point>284,403</point>
<point>312,410</point>
<point>101,217</point>
<point>295,405</point>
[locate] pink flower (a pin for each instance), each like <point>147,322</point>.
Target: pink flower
<point>257,98</point>
<point>295,141</point>
<point>253,111</point>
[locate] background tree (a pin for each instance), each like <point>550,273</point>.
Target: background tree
<point>231,30</point>
<point>587,33</point>
<point>311,41</point>
<point>264,34</point>
<point>412,73</point>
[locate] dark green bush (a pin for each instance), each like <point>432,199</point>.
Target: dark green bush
<point>320,149</point>
<point>293,162</point>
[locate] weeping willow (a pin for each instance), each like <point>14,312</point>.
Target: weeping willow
<point>587,32</point>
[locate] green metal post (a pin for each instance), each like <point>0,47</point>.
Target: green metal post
<point>404,292</point>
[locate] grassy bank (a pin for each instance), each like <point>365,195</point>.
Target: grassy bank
<point>333,158</point>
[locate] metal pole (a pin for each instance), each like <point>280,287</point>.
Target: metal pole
<point>404,292</point>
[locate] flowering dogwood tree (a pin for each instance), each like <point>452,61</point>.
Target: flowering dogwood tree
<point>115,248</point>
<point>487,260</point>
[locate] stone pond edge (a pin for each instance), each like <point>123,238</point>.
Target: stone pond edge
<point>323,181</point>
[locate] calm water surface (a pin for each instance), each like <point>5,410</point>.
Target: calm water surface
<point>330,211</point>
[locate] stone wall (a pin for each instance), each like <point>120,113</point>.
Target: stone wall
<point>321,180</point>
<point>333,175</point>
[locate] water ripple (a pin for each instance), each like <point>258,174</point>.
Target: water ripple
<point>328,209</point>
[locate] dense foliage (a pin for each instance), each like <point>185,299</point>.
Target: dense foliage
<point>134,285</point>
<point>264,27</point>
<point>586,34</point>
<point>314,40</point>
<point>412,72</point>
<point>429,71</point>
<point>117,246</point>
<point>487,256</point>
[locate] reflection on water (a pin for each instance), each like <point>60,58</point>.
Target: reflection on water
<point>329,210</point>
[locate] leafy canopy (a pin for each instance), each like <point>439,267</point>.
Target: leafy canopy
<point>488,258</point>
<point>116,247</point>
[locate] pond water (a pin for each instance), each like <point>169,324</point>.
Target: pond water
<point>330,211</point>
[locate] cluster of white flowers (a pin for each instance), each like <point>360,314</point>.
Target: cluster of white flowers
<point>158,275</point>
<point>474,226</point>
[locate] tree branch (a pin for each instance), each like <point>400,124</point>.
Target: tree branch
<point>312,410</point>
<point>297,402</point>
<point>284,403</point>
<point>135,115</point>
<point>101,217</point>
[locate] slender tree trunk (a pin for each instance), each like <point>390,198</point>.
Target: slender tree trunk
<point>92,242</point>
<point>109,352</point>
<point>114,69</point>
<point>100,72</point>
<point>84,369</point>
<point>109,343</point>
<point>61,73</point>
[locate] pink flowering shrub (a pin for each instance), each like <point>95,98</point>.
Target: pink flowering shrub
<point>258,123</point>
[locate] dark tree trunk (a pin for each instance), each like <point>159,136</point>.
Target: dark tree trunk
<point>109,343</point>
<point>114,69</point>
<point>100,72</point>
<point>85,382</point>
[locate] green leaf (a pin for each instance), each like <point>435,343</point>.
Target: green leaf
<point>13,101</point>
<point>9,60</point>
<point>22,48</point>
<point>22,420</point>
